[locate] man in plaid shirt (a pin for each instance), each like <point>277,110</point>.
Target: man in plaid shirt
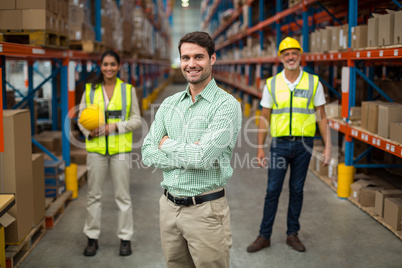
<point>192,140</point>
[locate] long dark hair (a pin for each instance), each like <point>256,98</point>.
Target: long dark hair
<point>99,79</point>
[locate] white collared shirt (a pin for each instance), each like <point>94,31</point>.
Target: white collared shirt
<point>268,102</point>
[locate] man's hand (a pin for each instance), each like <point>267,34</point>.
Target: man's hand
<point>326,156</point>
<point>162,141</point>
<point>262,162</point>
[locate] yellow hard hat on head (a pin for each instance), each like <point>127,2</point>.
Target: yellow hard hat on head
<point>92,117</point>
<point>287,43</point>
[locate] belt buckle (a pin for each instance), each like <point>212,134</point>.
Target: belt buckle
<point>292,138</point>
<point>181,201</point>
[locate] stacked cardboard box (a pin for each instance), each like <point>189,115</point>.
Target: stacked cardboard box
<point>54,178</point>
<point>18,180</point>
<point>369,114</point>
<point>38,178</point>
<point>48,15</point>
<point>388,113</point>
<point>384,29</point>
<point>79,25</point>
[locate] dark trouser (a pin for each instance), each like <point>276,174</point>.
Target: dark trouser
<point>283,153</point>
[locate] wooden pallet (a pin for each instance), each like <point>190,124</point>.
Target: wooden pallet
<point>15,254</point>
<point>368,210</point>
<point>56,209</point>
<point>35,37</point>
<point>87,46</point>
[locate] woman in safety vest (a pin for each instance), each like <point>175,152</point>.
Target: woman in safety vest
<point>110,116</point>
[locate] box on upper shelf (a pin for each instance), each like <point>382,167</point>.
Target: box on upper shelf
<point>398,28</point>
<point>386,28</point>
<point>388,113</point>
<point>359,36</point>
<point>395,132</point>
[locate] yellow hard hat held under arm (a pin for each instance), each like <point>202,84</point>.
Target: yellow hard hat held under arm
<point>92,117</point>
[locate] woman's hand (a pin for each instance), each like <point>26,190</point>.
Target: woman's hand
<point>104,130</point>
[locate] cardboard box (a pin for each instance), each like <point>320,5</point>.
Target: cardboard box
<point>333,110</point>
<point>395,132</point>
<point>55,180</point>
<point>355,113</point>
<point>370,115</point>
<point>10,19</point>
<point>393,212</point>
<point>53,167</point>
<point>7,4</point>
<point>38,174</point>
<point>17,172</point>
<point>51,140</point>
<point>398,28</point>
<point>367,195</point>
<point>323,171</point>
<point>357,186</point>
<point>343,36</point>
<point>38,19</point>
<point>54,192</point>
<point>359,36</point>
<point>388,113</point>
<point>386,29</point>
<point>380,197</point>
<point>326,39</point>
<point>372,31</point>
<point>79,156</point>
<point>335,37</point>
<point>35,4</point>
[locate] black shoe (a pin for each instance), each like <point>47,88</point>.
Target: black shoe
<point>91,248</point>
<point>125,247</point>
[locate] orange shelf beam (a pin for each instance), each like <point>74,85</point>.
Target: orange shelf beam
<point>384,144</point>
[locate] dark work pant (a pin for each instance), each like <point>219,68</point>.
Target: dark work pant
<point>284,153</point>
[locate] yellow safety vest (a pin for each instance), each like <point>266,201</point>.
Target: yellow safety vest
<point>293,113</point>
<point>118,110</point>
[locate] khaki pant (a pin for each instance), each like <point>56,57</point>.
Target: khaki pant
<point>195,236</point>
<point>98,167</point>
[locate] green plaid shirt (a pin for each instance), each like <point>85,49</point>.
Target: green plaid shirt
<point>213,121</point>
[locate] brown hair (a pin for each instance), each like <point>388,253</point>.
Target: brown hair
<point>202,39</point>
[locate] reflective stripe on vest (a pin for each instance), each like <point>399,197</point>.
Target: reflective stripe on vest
<point>115,143</point>
<point>298,120</point>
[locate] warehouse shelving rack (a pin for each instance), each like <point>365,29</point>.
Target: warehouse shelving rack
<point>310,18</point>
<point>140,72</point>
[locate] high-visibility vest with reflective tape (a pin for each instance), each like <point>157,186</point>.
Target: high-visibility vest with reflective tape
<point>293,113</point>
<point>118,110</point>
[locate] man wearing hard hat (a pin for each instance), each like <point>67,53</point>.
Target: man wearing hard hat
<point>290,102</point>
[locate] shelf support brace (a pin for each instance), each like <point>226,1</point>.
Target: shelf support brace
<point>16,90</point>
<point>397,3</point>
<point>329,13</point>
<point>43,149</point>
<point>32,91</point>
<point>374,85</point>
<point>365,153</point>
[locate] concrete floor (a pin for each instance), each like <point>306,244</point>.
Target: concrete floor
<point>335,232</point>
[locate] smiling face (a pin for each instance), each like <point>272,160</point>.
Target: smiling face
<point>109,67</point>
<point>291,59</point>
<point>195,64</point>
